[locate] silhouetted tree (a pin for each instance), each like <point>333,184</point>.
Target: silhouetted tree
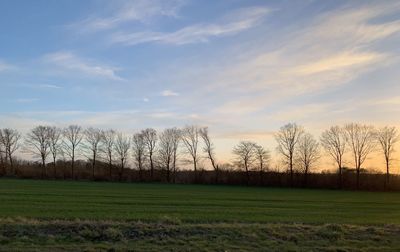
<point>10,141</point>
<point>333,141</point>
<point>2,158</point>
<point>307,153</point>
<point>246,155</point>
<point>109,147</point>
<point>387,138</point>
<point>166,150</point>
<point>139,152</point>
<point>190,138</point>
<point>55,135</point>
<point>38,143</point>
<point>287,138</point>
<point>122,146</point>
<point>209,150</point>
<point>93,142</point>
<point>175,139</point>
<point>73,136</point>
<point>263,157</point>
<point>360,138</point>
<point>150,139</point>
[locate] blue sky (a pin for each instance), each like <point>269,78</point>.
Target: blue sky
<point>243,68</point>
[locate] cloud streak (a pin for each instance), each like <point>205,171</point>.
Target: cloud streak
<point>167,93</point>
<point>26,100</point>
<point>337,62</point>
<point>129,11</point>
<point>49,86</point>
<point>72,62</point>
<point>235,22</point>
<point>336,48</point>
<point>5,66</point>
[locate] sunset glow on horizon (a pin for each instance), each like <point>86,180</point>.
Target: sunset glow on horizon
<point>241,68</point>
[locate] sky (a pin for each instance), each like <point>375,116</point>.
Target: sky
<point>241,67</point>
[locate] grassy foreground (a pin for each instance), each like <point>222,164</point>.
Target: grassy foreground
<point>33,235</point>
<point>193,203</point>
<point>67,215</point>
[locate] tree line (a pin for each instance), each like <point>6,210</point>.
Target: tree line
<point>150,151</point>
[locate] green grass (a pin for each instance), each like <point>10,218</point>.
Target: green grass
<point>193,203</point>
<point>98,216</point>
<point>33,235</point>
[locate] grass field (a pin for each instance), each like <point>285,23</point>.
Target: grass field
<point>102,216</point>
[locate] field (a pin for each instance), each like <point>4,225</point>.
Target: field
<point>68,215</point>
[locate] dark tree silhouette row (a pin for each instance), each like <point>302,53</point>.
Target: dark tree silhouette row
<point>106,154</point>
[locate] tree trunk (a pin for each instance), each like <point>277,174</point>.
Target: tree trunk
<point>14,172</point>
<point>54,167</point>
<point>174,168</point>
<point>151,166</point>
<point>3,171</point>
<point>216,174</point>
<point>291,172</point>
<point>72,164</point>
<point>387,175</point>
<point>358,178</point>
<point>93,166</point>
<point>122,170</point>
<point>43,167</point>
<point>140,171</point>
<point>306,177</point>
<point>110,167</point>
<point>168,174</point>
<point>195,170</point>
<point>247,173</point>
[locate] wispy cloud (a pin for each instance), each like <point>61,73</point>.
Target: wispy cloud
<point>336,48</point>
<point>72,62</point>
<point>247,135</point>
<point>26,100</point>
<point>49,86</point>
<point>129,11</point>
<point>231,24</point>
<point>337,62</point>
<point>167,93</point>
<point>5,66</point>
<point>158,118</point>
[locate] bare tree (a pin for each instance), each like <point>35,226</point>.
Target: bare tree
<point>139,152</point>
<point>38,143</point>
<point>387,138</point>
<point>190,138</point>
<point>122,146</point>
<point>150,138</point>
<point>245,153</point>
<point>55,135</point>
<point>287,138</point>
<point>360,138</point>
<point>307,153</point>
<point>109,147</point>
<point>209,150</point>
<point>73,136</point>
<point>166,150</point>
<point>263,156</point>
<point>93,142</point>
<point>175,139</point>
<point>10,141</point>
<point>2,152</point>
<point>333,141</point>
